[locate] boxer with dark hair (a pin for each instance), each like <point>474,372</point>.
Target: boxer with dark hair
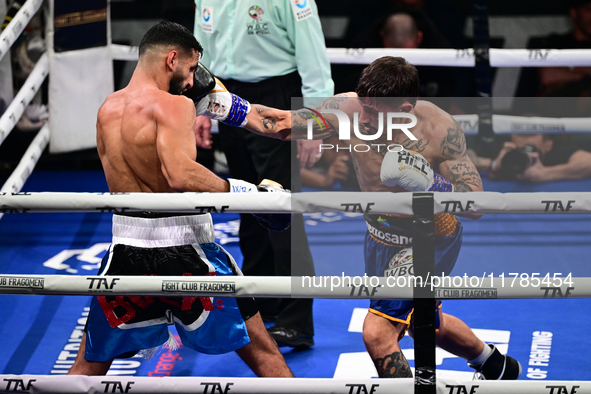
<point>433,160</point>
<point>146,143</point>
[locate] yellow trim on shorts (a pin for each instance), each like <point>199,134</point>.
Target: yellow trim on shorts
<point>381,314</point>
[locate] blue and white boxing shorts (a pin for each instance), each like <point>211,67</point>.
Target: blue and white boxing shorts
<point>120,326</point>
<point>387,253</point>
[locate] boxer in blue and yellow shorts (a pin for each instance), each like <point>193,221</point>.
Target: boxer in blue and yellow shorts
<point>387,252</point>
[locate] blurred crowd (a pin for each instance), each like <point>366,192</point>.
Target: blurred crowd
<point>397,24</point>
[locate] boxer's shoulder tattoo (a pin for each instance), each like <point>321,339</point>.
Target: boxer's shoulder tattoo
<point>415,145</point>
<point>454,143</point>
<point>393,366</point>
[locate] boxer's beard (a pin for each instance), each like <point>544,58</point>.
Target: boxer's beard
<point>177,84</point>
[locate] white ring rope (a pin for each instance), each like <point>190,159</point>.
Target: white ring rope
<point>506,124</point>
<point>346,287</point>
<point>36,384</point>
<point>24,96</point>
<point>351,202</point>
<point>502,124</point>
<point>17,25</point>
<point>436,57</point>
<point>465,57</point>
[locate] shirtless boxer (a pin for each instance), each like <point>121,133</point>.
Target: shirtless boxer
<point>146,143</point>
<point>390,84</point>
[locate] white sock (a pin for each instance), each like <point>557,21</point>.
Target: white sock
<point>486,352</point>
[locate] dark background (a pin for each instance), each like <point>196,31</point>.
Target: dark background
<point>450,17</point>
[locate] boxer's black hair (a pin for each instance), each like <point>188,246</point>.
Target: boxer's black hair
<point>171,34</point>
<point>389,76</point>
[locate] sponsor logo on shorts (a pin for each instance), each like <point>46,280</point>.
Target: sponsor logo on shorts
<point>16,282</point>
<point>387,237</point>
<point>203,287</point>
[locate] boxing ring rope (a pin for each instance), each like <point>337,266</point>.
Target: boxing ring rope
<point>22,99</point>
<point>24,96</point>
<point>190,385</point>
<point>333,287</point>
<point>352,202</point>
<point>17,25</point>
<point>303,287</point>
<point>435,57</point>
<point>508,124</point>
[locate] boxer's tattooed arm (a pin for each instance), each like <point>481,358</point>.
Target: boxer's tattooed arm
<point>260,108</point>
<point>269,123</point>
<point>456,166</point>
<point>393,366</point>
<point>466,177</point>
<point>454,143</point>
<point>416,146</point>
<point>323,125</point>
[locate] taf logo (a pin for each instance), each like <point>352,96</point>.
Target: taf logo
<point>101,283</point>
<point>461,389</point>
<point>206,14</point>
<point>19,385</point>
<point>116,386</point>
<point>362,389</point>
<point>301,3</point>
<point>214,387</point>
<point>562,389</point>
<point>255,12</point>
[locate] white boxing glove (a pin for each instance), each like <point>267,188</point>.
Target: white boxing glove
<point>219,104</point>
<point>273,222</point>
<point>266,185</point>
<point>413,172</point>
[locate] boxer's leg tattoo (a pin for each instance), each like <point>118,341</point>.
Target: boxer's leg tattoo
<point>393,366</point>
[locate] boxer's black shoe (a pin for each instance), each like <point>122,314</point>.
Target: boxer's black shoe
<point>290,337</point>
<point>497,367</point>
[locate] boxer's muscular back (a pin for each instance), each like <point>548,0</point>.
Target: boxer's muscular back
<point>126,140</point>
